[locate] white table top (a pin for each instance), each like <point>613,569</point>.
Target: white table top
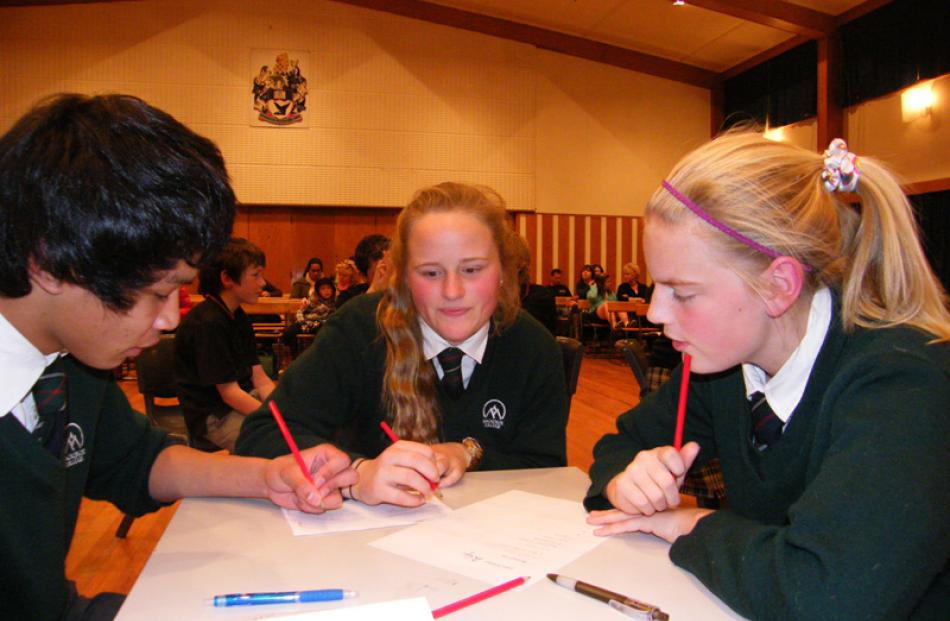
<point>215,546</point>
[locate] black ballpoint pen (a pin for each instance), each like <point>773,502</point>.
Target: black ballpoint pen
<point>620,603</point>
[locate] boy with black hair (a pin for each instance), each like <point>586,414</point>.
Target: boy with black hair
<point>106,206</point>
<point>557,286</point>
<point>220,378</point>
<point>371,261</point>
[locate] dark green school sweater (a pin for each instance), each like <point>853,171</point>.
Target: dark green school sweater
<point>515,404</point>
<point>848,516</point>
<point>108,455</point>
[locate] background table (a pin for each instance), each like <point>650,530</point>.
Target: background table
<point>215,546</point>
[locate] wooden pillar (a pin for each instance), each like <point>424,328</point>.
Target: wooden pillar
<point>830,114</point>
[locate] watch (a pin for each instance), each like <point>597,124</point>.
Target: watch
<point>475,452</point>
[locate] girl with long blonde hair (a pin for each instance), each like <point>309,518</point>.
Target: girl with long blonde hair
<point>819,338</point>
<point>444,356</point>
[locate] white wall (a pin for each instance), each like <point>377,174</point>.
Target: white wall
<point>918,150</point>
<point>395,103</point>
<point>606,137</point>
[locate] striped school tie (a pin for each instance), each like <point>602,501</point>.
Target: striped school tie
<point>766,426</point>
<point>49,393</point>
<point>451,360</point>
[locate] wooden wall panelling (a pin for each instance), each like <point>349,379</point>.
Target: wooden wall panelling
<point>548,258</point>
<point>565,249</point>
<point>570,241</point>
<point>313,233</point>
<point>290,235</point>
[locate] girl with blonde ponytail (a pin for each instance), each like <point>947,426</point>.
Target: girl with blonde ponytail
<point>494,400</point>
<point>819,336</point>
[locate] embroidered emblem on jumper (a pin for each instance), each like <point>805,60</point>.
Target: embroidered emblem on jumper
<point>493,414</point>
<point>75,445</point>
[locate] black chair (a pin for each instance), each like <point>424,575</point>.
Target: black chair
<point>649,377</point>
<point>572,352</point>
<point>705,483</point>
<point>156,380</point>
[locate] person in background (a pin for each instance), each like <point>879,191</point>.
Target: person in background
<point>270,290</point>
<point>219,376</point>
<point>538,300</point>
<point>557,285</point>
<point>584,282</point>
<point>106,206</point>
<point>820,340</point>
<point>301,288</point>
<point>631,287</point>
<point>600,291</point>
<point>371,259</point>
<point>184,302</point>
<point>444,355</point>
<point>346,276</point>
<point>320,305</point>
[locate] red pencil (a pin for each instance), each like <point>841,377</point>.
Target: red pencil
<point>394,438</point>
<point>474,599</point>
<point>681,409</point>
<point>290,441</point>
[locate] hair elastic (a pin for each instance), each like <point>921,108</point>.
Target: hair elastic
<point>841,168</point>
<point>731,232</point>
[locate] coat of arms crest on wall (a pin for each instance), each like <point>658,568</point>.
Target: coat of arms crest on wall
<point>279,87</point>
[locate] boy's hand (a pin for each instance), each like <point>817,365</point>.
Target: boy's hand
<point>330,469</point>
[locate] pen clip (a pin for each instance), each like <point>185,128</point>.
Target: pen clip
<point>631,611</point>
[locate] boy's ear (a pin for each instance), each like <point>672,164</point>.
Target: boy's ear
<point>784,279</point>
<point>226,281</point>
<point>43,279</point>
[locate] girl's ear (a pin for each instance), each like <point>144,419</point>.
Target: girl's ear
<point>783,281</point>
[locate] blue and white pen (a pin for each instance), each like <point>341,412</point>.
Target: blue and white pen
<point>284,597</point>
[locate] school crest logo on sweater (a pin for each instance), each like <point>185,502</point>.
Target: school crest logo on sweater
<point>75,449</point>
<point>493,414</point>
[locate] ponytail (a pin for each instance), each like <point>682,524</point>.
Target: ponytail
<point>888,280</point>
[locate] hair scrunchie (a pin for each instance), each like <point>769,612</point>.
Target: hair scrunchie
<point>841,171</point>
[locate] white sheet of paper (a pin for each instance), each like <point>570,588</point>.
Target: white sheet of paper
<point>357,516</point>
<point>415,609</point>
<point>509,535</point>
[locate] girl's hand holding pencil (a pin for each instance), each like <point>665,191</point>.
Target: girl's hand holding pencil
<point>652,481</point>
<point>404,474</point>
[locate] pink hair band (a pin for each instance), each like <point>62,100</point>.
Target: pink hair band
<point>731,232</point>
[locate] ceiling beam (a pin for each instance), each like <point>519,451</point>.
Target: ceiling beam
<point>860,11</point>
<point>544,39</point>
<point>761,57</point>
<point>774,14</point>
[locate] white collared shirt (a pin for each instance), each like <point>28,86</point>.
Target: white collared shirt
<point>21,364</point>
<point>473,347</point>
<point>784,390</point>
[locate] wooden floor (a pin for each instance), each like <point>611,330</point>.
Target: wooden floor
<point>98,561</point>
